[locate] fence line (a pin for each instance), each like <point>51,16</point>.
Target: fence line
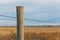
<point>28,19</point>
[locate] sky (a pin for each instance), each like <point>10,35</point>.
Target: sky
<point>43,10</point>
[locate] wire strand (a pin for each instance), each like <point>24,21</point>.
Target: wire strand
<point>7,16</point>
<point>27,19</point>
<point>37,20</point>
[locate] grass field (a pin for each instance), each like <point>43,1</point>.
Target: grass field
<point>31,33</point>
<point>38,33</point>
<point>8,33</point>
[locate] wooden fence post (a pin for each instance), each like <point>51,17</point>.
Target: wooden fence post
<point>20,23</point>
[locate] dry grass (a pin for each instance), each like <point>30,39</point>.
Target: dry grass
<point>8,33</point>
<point>38,33</point>
<point>31,33</point>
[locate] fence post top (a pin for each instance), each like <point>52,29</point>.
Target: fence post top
<point>19,7</point>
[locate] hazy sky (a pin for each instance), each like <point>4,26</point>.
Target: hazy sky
<point>45,10</point>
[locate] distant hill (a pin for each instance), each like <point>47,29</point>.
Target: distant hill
<point>36,26</point>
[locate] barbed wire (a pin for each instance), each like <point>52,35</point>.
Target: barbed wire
<point>27,19</point>
<point>37,20</point>
<point>8,16</point>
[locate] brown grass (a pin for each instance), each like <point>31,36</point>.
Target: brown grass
<point>31,33</point>
<point>8,33</point>
<point>38,33</point>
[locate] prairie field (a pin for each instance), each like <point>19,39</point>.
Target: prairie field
<point>8,33</point>
<point>42,33</point>
<point>31,33</point>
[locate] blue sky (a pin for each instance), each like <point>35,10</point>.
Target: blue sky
<point>45,10</point>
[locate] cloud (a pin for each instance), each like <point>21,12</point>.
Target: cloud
<point>8,9</point>
<point>44,9</point>
<point>9,1</point>
<point>7,22</point>
<point>36,1</point>
<point>54,1</point>
<point>42,1</point>
<point>47,5</point>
